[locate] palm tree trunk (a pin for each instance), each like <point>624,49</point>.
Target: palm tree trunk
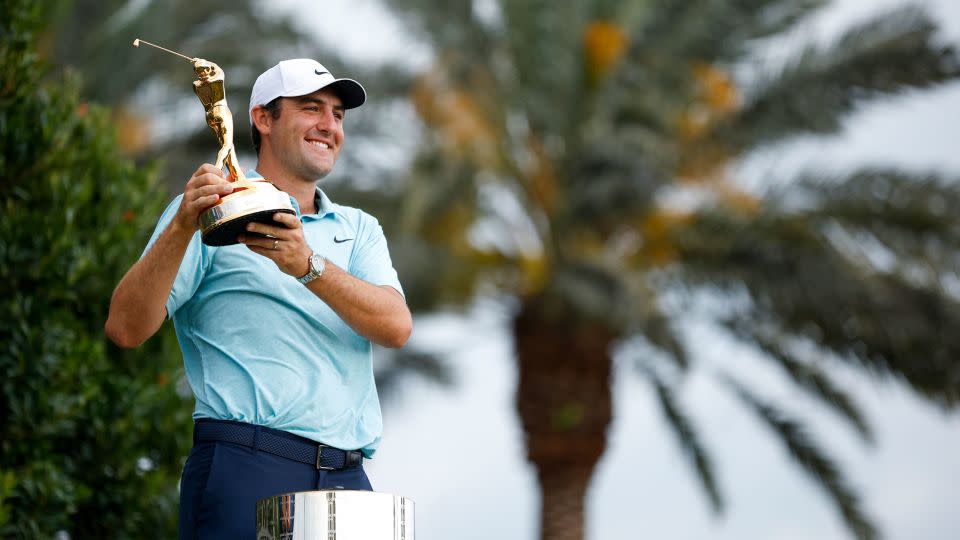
<point>562,492</point>
<point>564,402</point>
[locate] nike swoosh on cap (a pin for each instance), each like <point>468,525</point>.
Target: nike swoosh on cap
<point>320,72</point>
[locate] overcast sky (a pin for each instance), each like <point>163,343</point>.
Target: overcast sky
<point>458,452</point>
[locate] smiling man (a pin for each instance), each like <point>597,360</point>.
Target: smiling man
<point>277,331</point>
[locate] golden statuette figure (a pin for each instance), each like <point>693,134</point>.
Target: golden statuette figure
<point>252,199</point>
<point>209,88</point>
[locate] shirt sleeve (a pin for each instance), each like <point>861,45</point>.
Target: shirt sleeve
<point>193,266</point>
<point>370,260</point>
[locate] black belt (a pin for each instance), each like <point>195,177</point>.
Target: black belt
<point>276,442</point>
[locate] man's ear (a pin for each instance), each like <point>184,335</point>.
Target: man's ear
<point>262,119</point>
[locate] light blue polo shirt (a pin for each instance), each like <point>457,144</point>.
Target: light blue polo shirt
<point>259,347</point>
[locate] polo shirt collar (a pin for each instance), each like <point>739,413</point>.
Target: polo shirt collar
<point>324,204</point>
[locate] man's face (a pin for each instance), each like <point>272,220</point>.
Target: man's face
<point>307,137</point>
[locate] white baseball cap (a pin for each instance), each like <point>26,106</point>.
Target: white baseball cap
<point>299,77</point>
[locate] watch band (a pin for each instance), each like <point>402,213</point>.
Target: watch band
<point>315,267</point>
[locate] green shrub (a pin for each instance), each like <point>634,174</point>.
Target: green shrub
<point>92,437</point>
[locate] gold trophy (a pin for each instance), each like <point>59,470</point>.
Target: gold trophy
<point>252,199</point>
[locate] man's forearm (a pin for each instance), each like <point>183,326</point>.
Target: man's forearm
<point>376,313</point>
<point>138,306</point>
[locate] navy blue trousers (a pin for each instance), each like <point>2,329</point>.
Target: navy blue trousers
<point>222,482</point>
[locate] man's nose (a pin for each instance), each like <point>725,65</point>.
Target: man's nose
<point>327,121</point>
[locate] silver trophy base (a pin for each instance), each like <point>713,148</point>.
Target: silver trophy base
<point>335,515</point>
<point>252,201</point>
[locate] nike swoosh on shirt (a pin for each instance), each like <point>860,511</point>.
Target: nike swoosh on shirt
<point>341,240</point>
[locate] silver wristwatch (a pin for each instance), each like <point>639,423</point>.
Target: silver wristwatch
<point>316,263</point>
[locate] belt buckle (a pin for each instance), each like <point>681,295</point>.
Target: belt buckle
<point>320,467</point>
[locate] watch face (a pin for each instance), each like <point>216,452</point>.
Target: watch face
<point>315,270</point>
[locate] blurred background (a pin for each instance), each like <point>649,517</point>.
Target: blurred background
<point>679,269</point>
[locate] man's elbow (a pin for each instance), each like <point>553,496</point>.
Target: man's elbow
<point>399,334</point>
<point>121,336</point>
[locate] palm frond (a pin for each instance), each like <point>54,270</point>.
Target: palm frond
<point>801,280</point>
<point>917,206</point>
<point>394,366</point>
<point>892,222</point>
<point>532,37</point>
<point>807,453</point>
<point>586,291</point>
<point>807,375</point>
<point>444,26</point>
<point>605,188</point>
<point>716,31</point>
<point>812,94</point>
<point>658,330</point>
<point>687,438</point>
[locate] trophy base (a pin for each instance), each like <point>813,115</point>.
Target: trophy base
<point>225,234</point>
<point>257,201</point>
<point>335,515</point>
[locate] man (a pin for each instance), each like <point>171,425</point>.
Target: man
<point>276,331</point>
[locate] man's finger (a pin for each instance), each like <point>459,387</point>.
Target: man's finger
<point>207,179</point>
<point>260,250</point>
<point>265,242</point>
<point>289,220</point>
<point>272,230</point>
<point>213,189</point>
<point>208,168</point>
<point>206,201</point>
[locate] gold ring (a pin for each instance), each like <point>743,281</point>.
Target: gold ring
<point>275,243</point>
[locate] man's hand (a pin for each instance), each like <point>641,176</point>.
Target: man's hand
<point>285,246</point>
<point>203,190</point>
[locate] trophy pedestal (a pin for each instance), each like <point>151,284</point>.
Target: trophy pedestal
<point>335,515</point>
<point>252,200</point>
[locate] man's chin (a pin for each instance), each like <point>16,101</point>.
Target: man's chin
<point>320,174</point>
<point>313,174</point>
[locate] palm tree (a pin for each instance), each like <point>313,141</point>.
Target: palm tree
<point>556,135</point>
